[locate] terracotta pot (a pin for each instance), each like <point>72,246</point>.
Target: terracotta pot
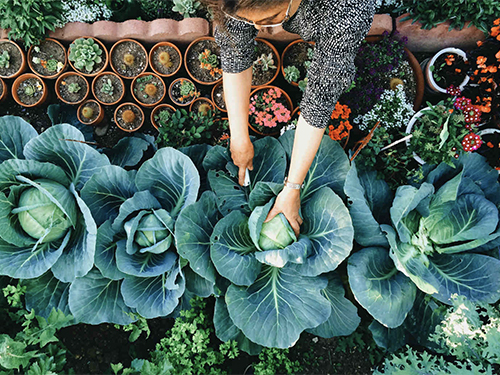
<point>417,73</point>
<point>186,62</point>
<point>97,96</point>
<point>145,104</point>
<point>429,77</point>
<point>138,108</point>
<point>155,111</point>
<point>20,80</point>
<point>111,59</point>
<point>53,76</point>
<point>170,92</point>
<point>206,100</point>
<point>216,86</point>
<point>155,47</point>
<point>5,90</point>
<point>104,56</point>
<point>23,66</point>
<point>277,61</point>
<point>62,78</point>
<point>284,54</point>
<point>288,101</point>
<point>99,118</point>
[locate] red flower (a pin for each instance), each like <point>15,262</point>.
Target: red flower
<point>472,114</point>
<point>452,90</point>
<point>462,103</point>
<point>471,142</point>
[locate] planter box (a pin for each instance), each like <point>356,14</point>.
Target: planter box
<point>439,37</point>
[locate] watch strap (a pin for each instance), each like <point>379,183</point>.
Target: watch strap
<point>292,185</point>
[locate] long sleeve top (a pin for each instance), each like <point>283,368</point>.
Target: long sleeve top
<point>336,26</point>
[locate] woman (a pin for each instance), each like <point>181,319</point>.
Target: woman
<point>337,27</point>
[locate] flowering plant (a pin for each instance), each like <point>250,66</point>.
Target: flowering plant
<point>209,61</point>
<point>268,111</point>
<point>339,126</point>
<point>449,69</point>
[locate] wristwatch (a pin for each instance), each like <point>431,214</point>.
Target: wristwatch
<point>292,185</point>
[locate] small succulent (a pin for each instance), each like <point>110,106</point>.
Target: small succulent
<point>85,53</point>
<point>310,56</point>
<point>186,7</point>
<point>87,112</point>
<point>128,59</point>
<point>5,60</point>
<point>292,73</point>
<point>52,65</point>
<point>128,116</point>
<point>74,87</point>
<point>165,60</point>
<point>266,61</point>
<point>208,59</point>
<point>30,90</point>
<point>107,87</point>
<point>303,84</point>
<point>187,87</point>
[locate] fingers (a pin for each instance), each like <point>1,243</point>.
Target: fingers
<point>295,226</point>
<point>300,221</point>
<point>241,176</point>
<point>271,215</point>
<point>250,165</point>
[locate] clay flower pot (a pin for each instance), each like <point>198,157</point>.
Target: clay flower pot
<point>165,59</point>
<point>218,96</point>
<point>266,47</point>
<point>97,67</point>
<point>157,110</point>
<point>129,58</point>
<point>289,106</point>
<point>296,44</point>
<point>49,49</point>
<point>148,93</point>
<point>193,64</point>
<point>32,83</point>
<point>3,90</point>
<point>429,74</point>
<point>95,117</point>
<point>174,92</point>
<point>129,117</point>
<point>197,103</point>
<point>17,61</point>
<point>102,95</point>
<point>62,88</point>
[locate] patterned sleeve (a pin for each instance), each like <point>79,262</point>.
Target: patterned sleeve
<point>236,45</point>
<point>332,69</point>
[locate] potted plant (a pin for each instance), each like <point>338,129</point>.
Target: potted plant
<point>218,97</point>
<point>129,117</point>
<point>270,110</point>
<point>296,59</point>
<point>3,90</point>
<point>108,88</point>
<point>90,112</point>
<point>165,59</point>
<point>72,88</point>
<point>490,148</point>
<point>202,61</point>
<point>204,106</point>
<point>446,68</point>
<point>29,90</point>
<point>12,60</point>
<point>48,59</point>
<point>182,91</point>
<point>88,56</point>
<point>156,114</point>
<point>128,58</point>
<point>265,68</point>
<point>148,89</point>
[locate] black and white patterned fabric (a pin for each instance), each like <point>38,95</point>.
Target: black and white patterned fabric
<point>336,26</point>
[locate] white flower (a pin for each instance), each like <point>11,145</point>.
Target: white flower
<point>36,60</point>
<point>60,66</point>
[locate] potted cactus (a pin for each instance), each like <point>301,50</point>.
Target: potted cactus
<point>165,59</point>
<point>203,106</point>
<point>88,56</point>
<point>266,66</point>
<point>29,90</point>
<point>148,89</point>
<point>182,92</point>
<point>72,88</point>
<point>129,117</point>
<point>128,58</point>
<point>108,88</point>
<point>202,60</point>
<point>47,60</point>
<point>90,112</point>
<point>12,61</point>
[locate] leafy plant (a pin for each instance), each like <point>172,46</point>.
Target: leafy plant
<point>85,53</point>
<point>52,65</point>
<point>107,87</point>
<point>5,60</point>
<point>186,7</point>
<point>209,61</point>
<point>275,361</point>
<point>187,88</point>
<point>265,62</point>
<point>74,87</point>
<point>30,90</point>
<point>30,20</point>
<point>292,73</point>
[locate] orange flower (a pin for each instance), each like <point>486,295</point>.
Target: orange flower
<point>481,60</point>
<point>490,145</point>
<point>498,55</point>
<point>496,22</point>
<point>449,60</point>
<point>479,43</point>
<point>458,71</point>
<point>491,69</point>
<point>495,31</point>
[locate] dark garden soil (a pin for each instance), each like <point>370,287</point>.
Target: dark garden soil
<point>490,149</point>
<point>29,83</point>
<point>48,50</point>
<point>259,76</point>
<point>144,87</point>
<point>447,75</point>
<point>176,95</point>
<point>76,96</point>
<point>175,60</point>
<point>204,103</point>
<point>95,112</point>
<point>297,55</point>
<point>117,88</point>
<point>193,63</point>
<point>97,67</point>
<point>36,116</point>
<point>219,97</point>
<point>15,61</point>
<point>137,65</point>
<point>129,125</point>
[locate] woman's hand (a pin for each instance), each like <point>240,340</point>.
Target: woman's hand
<point>288,203</point>
<point>242,154</point>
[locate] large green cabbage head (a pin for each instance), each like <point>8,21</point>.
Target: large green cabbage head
<point>151,231</point>
<point>276,234</point>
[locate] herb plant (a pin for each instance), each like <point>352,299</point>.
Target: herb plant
<point>85,53</point>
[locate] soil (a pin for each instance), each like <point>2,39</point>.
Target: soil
<point>219,97</point>
<point>117,88</point>
<point>95,115</point>
<point>15,61</point>
<point>48,50</point>
<point>36,116</point>
<point>176,94</point>
<point>297,55</point>
<point>490,149</point>
<point>175,59</point>
<point>193,64</point>
<point>140,85</point>
<point>73,97</point>
<point>35,98</point>
<point>259,76</point>
<point>199,103</point>
<point>447,73</point>
<point>97,67</point>
<point>132,125</point>
<point>406,74</point>
<point>140,59</point>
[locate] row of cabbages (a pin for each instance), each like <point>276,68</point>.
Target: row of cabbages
<point>100,242</point>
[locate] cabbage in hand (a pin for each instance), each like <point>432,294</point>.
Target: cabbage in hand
<point>276,234</point>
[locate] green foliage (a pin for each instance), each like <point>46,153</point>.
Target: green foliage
<point>30,20</point>
<point>187,87</point>
<point>14,294</point>
<point>292,73</point>
<point>5,60</point>
<point>360,341</point>
<point>303,84</point>
<point>186,7</point>
<point>74,87</point>
<point>136,328</point>
<point>208,58</point>
<point>153,9</point>
<point>85,53</point>
<point>52,65</point>
<point>266,62</point>
<point>107,87</point>
<point>276,361</point>
<point>30,90</point>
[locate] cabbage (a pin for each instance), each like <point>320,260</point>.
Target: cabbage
<point>150,231</point>
<point>276,234</point>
